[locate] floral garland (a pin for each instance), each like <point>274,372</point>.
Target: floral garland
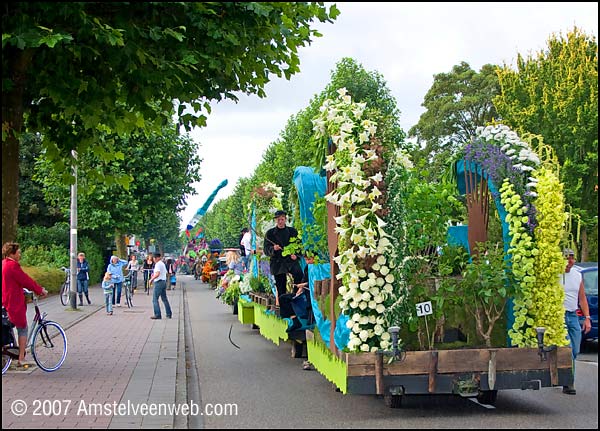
<point>502,154</point>
<point>365,272</point>
<point>532,196</point>
<point>267,199</point>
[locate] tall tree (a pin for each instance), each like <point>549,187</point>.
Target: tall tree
<point>295,145</point>
<point>162,168</point>
<point>76,71</point>
<point>555,95</point>
<point>457,103</point>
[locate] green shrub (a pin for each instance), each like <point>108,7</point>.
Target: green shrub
<point>29,236</point>
<point>50,278</point>
<point>44,256</point>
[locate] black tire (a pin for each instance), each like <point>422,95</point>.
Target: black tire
<point>49,346</point>
<point>393,401</point>
<point>64,294</point>
<point>487,397</point>
<point>128,297</point>
<point>7,359</point>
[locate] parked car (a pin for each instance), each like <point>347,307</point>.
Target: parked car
<point>589,272</point>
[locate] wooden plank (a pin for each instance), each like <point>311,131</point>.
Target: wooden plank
<point>492,370</point>
<point>433,362</point>
<point>553,364</point>
<point>379,385</point>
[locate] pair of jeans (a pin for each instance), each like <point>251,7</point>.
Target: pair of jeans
<point>245,261</point>
<point>108,299</point>
<point>573,334</point>
<point>160,291</point>
<point>82,286</point>
<point>117,295</point>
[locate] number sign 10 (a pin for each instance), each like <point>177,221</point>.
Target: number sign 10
<point>424,308</point>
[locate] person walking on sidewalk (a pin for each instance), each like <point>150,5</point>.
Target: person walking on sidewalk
<point>83,278</point>
<point>133,266</point>
<point>107,287</point>
<point>148,267</point>
<point>14,280</point>
<point>115,267</point>
<point>572,283</point>
<point>159,279</point>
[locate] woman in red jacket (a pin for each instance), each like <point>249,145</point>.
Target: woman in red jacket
<point>14,280</point>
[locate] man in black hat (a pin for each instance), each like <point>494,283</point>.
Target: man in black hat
<point>276,239</point>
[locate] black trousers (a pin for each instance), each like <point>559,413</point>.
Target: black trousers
<point>285,305</point>
<point>281,279</point>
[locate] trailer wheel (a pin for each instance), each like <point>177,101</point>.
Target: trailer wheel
<point>393,401</point>
<point>487,397</point>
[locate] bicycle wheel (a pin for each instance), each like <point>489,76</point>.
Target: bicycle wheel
<point>49,346</point>
<point>6,358</point>
<point>128,297</point>
<point>64,293</point>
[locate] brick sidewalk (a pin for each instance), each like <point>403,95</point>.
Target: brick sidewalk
<point>126,358</point>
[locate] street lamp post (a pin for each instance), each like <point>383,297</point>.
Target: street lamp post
<point>73,245</point>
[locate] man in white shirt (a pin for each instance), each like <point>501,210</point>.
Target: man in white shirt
<point>247,243</point>
<point>159,278</point>
<point>575,298</point>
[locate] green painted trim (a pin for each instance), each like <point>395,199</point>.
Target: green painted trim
<point>245,312</point>
<point>271,327</point>
<point>330,366</point>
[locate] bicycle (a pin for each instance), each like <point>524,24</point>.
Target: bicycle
<point>127,284</point>
<point>46,340</point>
<point>65,289</point>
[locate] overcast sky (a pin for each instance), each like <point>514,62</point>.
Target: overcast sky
<point>407,43</point>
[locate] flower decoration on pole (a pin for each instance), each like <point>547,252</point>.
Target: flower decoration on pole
<point>532,196</point>
<point>358,168</point>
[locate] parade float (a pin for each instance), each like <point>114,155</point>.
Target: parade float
<point>430,291</point>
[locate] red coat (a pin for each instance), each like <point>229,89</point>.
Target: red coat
<point>14,280</point>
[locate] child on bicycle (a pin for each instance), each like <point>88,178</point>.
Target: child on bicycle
<point>107,287</point>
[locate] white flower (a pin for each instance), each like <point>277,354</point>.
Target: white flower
<point>380,308</point>
<point>385,336</point>
<point>381,259</point>
<point>363,335</point>
<point>342,91</point>
<point>364,348</point>
<point>378,330</point>
<point>384,270</point>
<point>389,278</point>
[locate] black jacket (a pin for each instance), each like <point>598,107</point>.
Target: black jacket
<point>279,264</point>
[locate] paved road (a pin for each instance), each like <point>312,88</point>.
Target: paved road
<point>271,390</point>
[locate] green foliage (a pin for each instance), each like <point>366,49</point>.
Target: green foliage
<point>81,73</point>
<point>57,235</point>
<point>260,284</point>
<point>485,288</point>
<point>456,104</point>
<point>50,278</point>
<point>232,293</point>
<point>51,256</point>
<point>555,94</point>
<point>94,256</point>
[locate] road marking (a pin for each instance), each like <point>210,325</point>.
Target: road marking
<point>487,406</point>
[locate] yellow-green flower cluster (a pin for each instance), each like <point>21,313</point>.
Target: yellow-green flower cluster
<point>523,251</point>
<point>548,294</point>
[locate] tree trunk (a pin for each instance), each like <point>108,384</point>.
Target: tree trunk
<point>584,245</point>
<point>12,124</point>
<point>121,245</point>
